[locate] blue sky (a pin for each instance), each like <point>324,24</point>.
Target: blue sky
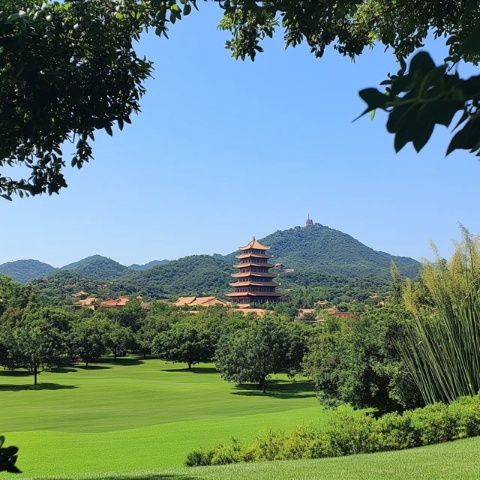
<point>225,149</point>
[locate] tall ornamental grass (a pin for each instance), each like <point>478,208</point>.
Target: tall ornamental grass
<point>441,347</point>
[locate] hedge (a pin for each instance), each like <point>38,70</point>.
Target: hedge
<point>350,432</point>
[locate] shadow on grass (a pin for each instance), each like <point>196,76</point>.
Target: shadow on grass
<point>192,370</point>
<point>92,367</point>
<point>40,386</point>
<point>123,361</point>
<point>277,389</point>
<point>14,373</point>
<point>151,476</point>
<point>63,370</point>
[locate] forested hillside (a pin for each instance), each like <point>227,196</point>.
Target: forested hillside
<point>196,275</point>
<point>146,266</point>
<point>26,270</point>
<point>318,250</point>
<point>97,267</point>
<point>318,255</point>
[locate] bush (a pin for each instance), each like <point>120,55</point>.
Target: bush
<point>199,458</point>
<point>351,431</point>
<point>437,423</point>
<point>397,432</point>
<point>225,454</point>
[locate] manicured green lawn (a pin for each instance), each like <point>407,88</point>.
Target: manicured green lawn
<point>449,461</point>
<point>137,415</point>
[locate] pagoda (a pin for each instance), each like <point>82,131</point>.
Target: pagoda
<point>254,281</point>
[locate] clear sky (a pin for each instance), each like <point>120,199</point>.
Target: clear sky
<point>225,149</point>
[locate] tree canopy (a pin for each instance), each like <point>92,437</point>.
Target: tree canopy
<point>69,69</point>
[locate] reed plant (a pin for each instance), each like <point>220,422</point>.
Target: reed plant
<point>441,346</point>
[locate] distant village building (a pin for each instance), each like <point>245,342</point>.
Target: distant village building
<point>84,301</point>
<point>254,281</point>
<point>115,302</point>
<point>308,315</point>
<point>309,221</point>
<point>199,302</point>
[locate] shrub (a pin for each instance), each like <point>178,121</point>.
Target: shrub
<point>397,432</point>
<point>225,454</point>
<point>199,458</point>
<point>436,423</point>
<point>468,414</point>
<point>351,431</point>
<point>271,446</point>
<point>307,442</point>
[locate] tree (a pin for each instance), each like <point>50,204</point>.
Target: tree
<point>186,341</point>
<point>87,339</point>
<point>255,352</point>
<point>69,68</point>
<point>8,355</point>
<point>130,316</point>
<point>416,98</point>
<point>152,326</point>
<point>356,361</point>
<point>38,342</point>
<point>117,338</point>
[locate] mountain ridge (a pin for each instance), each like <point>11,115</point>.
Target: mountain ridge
<point>315,253</point>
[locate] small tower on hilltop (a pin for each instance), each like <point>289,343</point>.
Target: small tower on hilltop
<point>254,281</point>
<point>309,221</point>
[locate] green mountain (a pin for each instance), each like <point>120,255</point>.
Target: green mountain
<point>317,249</point>
<point>140,268</point>
<point>318,255</point>
<point>97,267</point>
<point>60,286</point>
<point>26,270</point>
<point>196,275</point>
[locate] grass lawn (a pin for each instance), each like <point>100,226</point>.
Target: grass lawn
<point>137,415</point>
<point>448,461</point>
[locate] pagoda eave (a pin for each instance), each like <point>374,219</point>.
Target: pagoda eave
<point>253,255</point>
<point>246,265</point>
<point>253,274</point>
<point>254,284</point>
<point>254,294</point>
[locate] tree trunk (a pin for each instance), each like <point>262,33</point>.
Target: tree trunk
<point>114,354</point>
<point>189,365</point>
<point>263,385</point>
<point>86,363</point>
<point>35,375</point>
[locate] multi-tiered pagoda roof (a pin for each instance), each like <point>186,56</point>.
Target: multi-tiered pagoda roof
<point>254,281</point>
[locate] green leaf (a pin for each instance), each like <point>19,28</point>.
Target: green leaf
<point>373,98</point>
<point>421,63</point>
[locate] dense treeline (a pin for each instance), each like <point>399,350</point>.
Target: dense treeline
<point>350,360</point>
<point>38,337</point>
<point>416,343</point>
